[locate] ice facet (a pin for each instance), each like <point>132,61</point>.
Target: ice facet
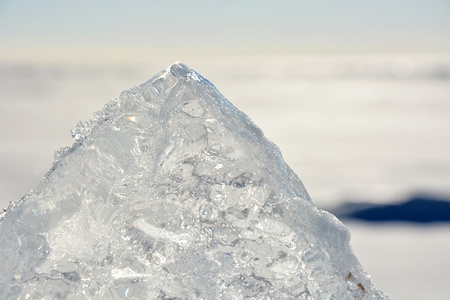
<point>172,192</point>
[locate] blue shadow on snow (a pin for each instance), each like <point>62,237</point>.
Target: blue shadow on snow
<point>417,209</point>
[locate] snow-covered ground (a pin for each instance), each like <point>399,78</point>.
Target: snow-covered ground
<point>405,261</point>
<point>353,127</point>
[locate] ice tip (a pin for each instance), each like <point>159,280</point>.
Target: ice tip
<point>178,63</point>
<point>182,71</point>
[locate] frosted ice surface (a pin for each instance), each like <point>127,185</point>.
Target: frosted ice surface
<point>172,192</point>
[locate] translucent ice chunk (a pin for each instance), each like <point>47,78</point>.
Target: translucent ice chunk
<point>171,192</point>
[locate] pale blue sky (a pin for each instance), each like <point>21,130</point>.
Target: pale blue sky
<point>247,24</point>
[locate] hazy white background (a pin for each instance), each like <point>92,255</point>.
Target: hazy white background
<point>355,93</point>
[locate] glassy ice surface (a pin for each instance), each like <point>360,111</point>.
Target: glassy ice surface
<point>172,192</point>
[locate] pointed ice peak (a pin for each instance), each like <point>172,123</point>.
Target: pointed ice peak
<point>160,82</point>
<point>181,71</point>
<point>171,192</point>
